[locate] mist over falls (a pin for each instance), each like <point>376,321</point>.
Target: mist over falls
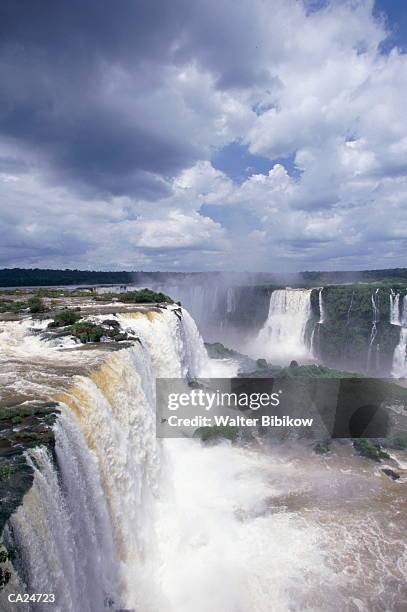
<point>354,327</point>
<point>118,519</point>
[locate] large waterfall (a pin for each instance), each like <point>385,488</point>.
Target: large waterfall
<point>315,336</point>
<point>399,368</point>
<point>121,520</point>
<point>283,336</point>
<point>373,333</point>
<point>90,541</point>
<point>394,307</point>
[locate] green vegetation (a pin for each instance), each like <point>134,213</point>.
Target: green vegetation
<point>5,574</point>
<point>143,296</point>
<point>26,410</point>
<point>6,471</point>
<point>35,421</point>
<point>261,364</point>
<point>369,449</point>
<point>295,370</point>
<point>65,317</point>
<point>21,277</point>
<point>31,436</point>
<point>58,293</point>
<point>12,306</point>
<point>210,434</point>
<point>35,304</point>
<point>397,443</point>
<point>217,350</point>
<point>343,339</point>
<point>87,331</point>
<point>322,447</point>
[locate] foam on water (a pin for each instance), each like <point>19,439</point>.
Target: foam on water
<point>173,525</point>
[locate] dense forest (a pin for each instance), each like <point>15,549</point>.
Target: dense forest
<point>22,277</point>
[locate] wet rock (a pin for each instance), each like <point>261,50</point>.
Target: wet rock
<point>370,450</point>
<point>322,447</point>
<point>111,323</point>
<point>391,473</point>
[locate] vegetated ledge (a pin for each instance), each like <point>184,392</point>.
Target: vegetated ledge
<point>42,302</point>
<point>373,449</point>
<point>22,427</point>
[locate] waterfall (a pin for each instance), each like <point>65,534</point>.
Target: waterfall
<point>399,367</point>
<point>125,521</point>
<point>394,308</point>
<point>315,336</point>
<point>322,313</point>
<point>204,299</point>
<point>86,531</point>
<point>373,333</point>
<point>283,336</point>
<point>64,537</point>
<point>230,300</point>
<point>350,308</point>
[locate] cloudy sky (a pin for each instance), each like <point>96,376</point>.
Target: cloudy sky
<point>203,135</point>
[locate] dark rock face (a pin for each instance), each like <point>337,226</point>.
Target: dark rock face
<point>111,323</point>
<point>343,340</point>
<point>21,427</point>
<point>391,473</point>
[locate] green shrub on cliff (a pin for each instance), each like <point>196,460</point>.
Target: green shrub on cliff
<point>143,296</point>
<point>65,317</point>
<point>87,331</point>
<point>343,340</point>
<point>35,304</point>
<point>369,449</point>
<point>214,433</point>
<point>12,306</point>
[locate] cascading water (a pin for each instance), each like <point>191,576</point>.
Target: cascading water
<point>205,300</point>
<point>64,536</point>
<point>322,314</point>
<point>394,307</point>
<point>126,521</point>
<point>283,336</point>
<point>350,308</point>
<point>399,367</point>
<point>315,336</point>
<point>230,299</point>
<point>373,333</point>
<point>89,542</point>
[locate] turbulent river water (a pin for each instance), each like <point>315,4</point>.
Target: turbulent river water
<point>123,520</point>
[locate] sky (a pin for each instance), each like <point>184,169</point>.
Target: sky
<point>256,135</point>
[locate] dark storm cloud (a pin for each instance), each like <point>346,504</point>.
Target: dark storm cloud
<point>56,98</point>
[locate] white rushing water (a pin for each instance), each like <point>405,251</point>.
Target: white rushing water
<point>394,308</point>
<point>90,542</point>
<point>399,367</point>
<point>348,317</point>
<point>322,313</point>
<point>373,333</point>
<point>132,522</point>
<point>315,336</point>
<point>283,336</point>
<point>230,299</point>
